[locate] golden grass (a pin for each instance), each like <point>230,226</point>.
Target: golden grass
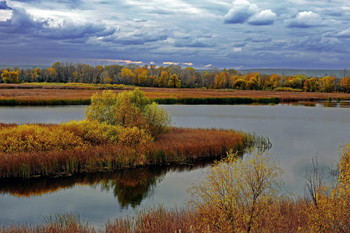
<point>176,146</point>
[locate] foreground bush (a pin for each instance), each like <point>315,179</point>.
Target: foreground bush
<point>330,209</point>
<point>236,193</point>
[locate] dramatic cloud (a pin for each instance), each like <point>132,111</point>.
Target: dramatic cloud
<point>306,19</point>
<point>242,33</point>
<point>240,11</point>
<point>137,37</point>
<point>243,11</point>
<point>23,23</point>
<point>4,6</point>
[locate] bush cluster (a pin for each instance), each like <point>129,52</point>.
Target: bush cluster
<point>128,109</point>
<point>128,118</point>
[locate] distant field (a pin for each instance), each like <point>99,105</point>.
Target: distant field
<point>45,94</point>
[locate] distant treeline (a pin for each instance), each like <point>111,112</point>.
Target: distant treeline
<point>173,76</point>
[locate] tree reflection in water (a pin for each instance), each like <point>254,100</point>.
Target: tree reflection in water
<point>129,186</point>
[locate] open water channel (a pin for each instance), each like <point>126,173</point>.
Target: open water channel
<point>298,134</point>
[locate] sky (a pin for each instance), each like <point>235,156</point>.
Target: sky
<point>239,34</point>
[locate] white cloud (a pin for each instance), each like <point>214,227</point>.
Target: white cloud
<point>243,11</point>
<point>170,63</point>
<point>237,50</point>
<point>115,60</point>
<point>306,19</point>
<point>265,17</point>
<point>5,15</point>
<point>240,11</point>
<point>178,63</point>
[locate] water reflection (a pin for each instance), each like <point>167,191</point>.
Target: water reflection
<point>327,104</point>
<point>297,133</point>
<point>129,186</point>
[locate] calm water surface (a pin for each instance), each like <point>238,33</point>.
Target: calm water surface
<point>297,133</point>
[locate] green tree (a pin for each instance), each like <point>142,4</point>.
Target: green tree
<point>128,109</point>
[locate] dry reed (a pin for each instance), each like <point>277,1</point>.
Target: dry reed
<point>176,146</point>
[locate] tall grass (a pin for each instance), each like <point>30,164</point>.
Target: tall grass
<point>176,146</point>
<point>284,216</point>
<point>81,96</point>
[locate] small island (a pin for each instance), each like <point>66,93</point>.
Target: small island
<point>121,130</point>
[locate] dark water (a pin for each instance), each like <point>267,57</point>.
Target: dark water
<point>298,134</point>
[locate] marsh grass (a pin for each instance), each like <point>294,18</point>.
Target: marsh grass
<point>18,94</point>
<point>284,216</point>
<point>176,146</point>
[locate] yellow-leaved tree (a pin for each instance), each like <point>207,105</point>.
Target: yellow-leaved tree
<point>330,211</point>
<point>236,193</point>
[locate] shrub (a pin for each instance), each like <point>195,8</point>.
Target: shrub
<point>236,193</point>
<point>134,137</point>
<point>30,138</point>
<point>93,132</point>
<point>128,109</point>
<point>157,119</point>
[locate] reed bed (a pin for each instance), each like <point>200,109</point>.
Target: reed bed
<point>176,146</point>
<point>287,216</point>
<point>44,96</point>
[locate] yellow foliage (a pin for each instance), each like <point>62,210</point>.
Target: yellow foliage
<point>30,138</point>
<point>236,193</point>
<point>331,212</point>
<point>93,132</point>
<point>134,137</point>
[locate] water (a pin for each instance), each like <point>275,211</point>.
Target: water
<point>298,134</point>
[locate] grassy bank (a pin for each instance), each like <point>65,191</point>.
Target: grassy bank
<point>176,146</point>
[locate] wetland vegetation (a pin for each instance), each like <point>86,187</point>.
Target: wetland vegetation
<point>124,130</point>
<point>236,196</point>
<point>237,202</point>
